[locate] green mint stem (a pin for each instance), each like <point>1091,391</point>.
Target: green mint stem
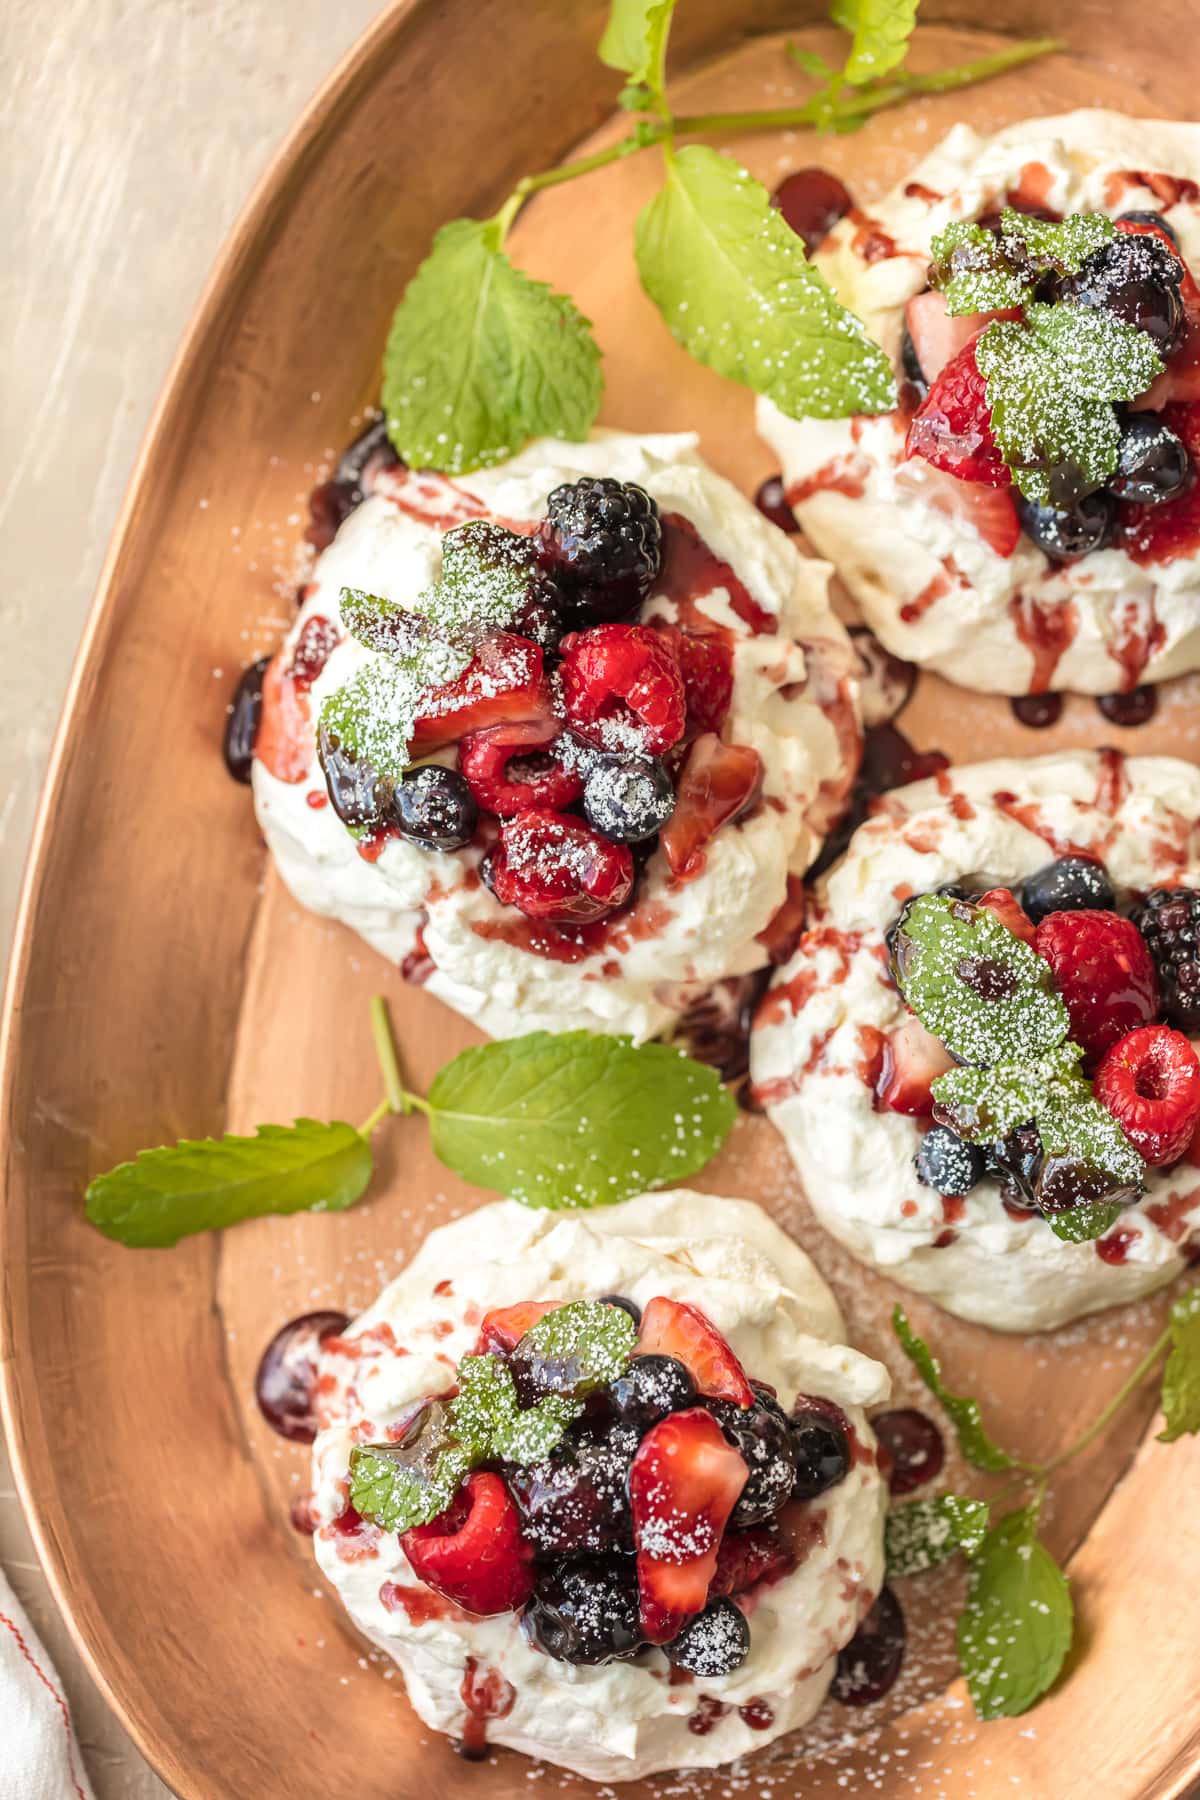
<point>583,165</point>
<point>1127,1387</point>
<point>398,1099</point>
<point>377,1117</point>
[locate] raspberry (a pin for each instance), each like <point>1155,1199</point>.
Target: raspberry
<point>506,773</point>
<point>1104,973</point>
<point>952,428</point>
<point>1150,1083</point>
<point>1169,920</point>
<point>602,541</point>
<point>474,1552</point>
<point>623,689</point>
<point>554,867</point>
<point>706,664</point>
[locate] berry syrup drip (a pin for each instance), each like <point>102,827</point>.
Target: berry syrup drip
<point>242,720</point>
<point>868,1665</point>
<point>886,682</point>
<point>690,571</point>
<point>772,502</point>
<point>911,1448</point>
<point>1047,632</point>
<point>486,1695</point>
<point>716,1029</point>
<point>285,1385</point>
<point>812,201</point>
<point>889,761</point>
<point>1137,707</point>
<point>331,502</point>
<point>1038,711</point>
<point>709,1713</point>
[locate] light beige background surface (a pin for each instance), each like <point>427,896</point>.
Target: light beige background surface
<point>132,132</point>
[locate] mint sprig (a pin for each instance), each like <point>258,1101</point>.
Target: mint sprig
<point>1016,1628</point>
<point>973,1440</point>
<point>924,1533</point>
<point>635,41</point>
<point>557,1120</point>
<point>978,270</point>
<point>881,31</point>
<point>1181,1377</point>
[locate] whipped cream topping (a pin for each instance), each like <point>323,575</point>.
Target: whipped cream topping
<point>794,701</point>
<point>927,582</point>
<point>818,1035</point>
<point>615,1721</point>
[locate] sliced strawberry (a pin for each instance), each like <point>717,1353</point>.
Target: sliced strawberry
<point>952,427</point>
<point>705,661</point>
<point>675,1328</point>
<point>474,1552</point>
<point>912,1061</point>
<point>1180,380</point>
<point>284,744</point>
<point>745,1558</point>
<point>684,1483</point>
<point>504,685</point>
<point>505,1326</point>
<point>988,510</point>
<point>1154,534</point>
<point>1150,1083</point>
<point>1104,971</point>
<point>717,783</point>
<point>486,759</point>
<point>1010,913</point>
<point>938,336</point>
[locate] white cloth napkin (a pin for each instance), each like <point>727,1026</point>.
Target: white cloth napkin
<point>39,1757</point>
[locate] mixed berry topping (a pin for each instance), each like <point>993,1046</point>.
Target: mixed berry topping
<point>1042,1044</point>
<point>601,540</point>
<point>610,1474</point>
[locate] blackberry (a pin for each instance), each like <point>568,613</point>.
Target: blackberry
<point>601,540</point>
<point>574,1502</point>
<point>650,1388</point>
<point>1169,920</point>
<point>947,1163</point>
<point>1067,535</point>
<point>715,1642</point>
<point>434,808</point>
<point>1072,884</point>
<point>629,798</point>
<point>761,1435</point>
<point>822,1449</point>
<point>585,1612</point>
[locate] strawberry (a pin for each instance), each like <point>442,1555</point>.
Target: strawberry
<point>1180,380</point>
<point>987,510</point>
<point>952,427</point>
<point>474,1553</point>
<point>484,758</point>
<point>745,1558</point>
<point>705,661</point>
<point>1009,912</point>
<point>684,1483</point>
<point>717,783</point>
<point>912,1060</point>
<point>675,1328</point>
<point>1104,972</point>
<point>505,1326</point>
<point>504,685</point>
<point>623,689</point>
<point>1150,1083</point>
<point>938,336</point>
<point>284,744</point>
<point>1151,534</point>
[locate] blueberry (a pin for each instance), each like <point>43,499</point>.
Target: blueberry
<point>1072,884</point>
<point>715,1642</point>
<point>1148,218</point>
<point>628,799</point>
<point>822,1450</point>
<point>1136,279</point>
<point>625,1304</point>
<point>241,725</point>
<point>1066,536</point>
<point>585,1612</point>
<point>435,808</point>
<point>947,1163</point>
<point>1152,463</point>
<point>761,1435</point>
<point>650,1388</point>
<point>574,1502</point>
<point>868,1665</point>
<point>1017,1161</point>
<point>357,795</point>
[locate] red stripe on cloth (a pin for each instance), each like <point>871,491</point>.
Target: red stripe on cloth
<point>61,1704</point>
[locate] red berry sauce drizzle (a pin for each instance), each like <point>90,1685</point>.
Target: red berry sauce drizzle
<point>285,1385</point>
<point>485,1695</point>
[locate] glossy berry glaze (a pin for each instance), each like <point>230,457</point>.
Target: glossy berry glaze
<point>285,1384</point>
<point>868,1665</point>
<point>911,1448</point>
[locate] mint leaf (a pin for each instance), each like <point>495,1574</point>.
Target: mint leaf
<point>591,1339</point>
<point>983,1105</point>
<point>970,268</point>
<point>1097,356</point>
<point>635,40</point>
<point>207,1184</point>
<point>565,1119</point>
<point>1181,1377</point>
<point>974,984</point>
<point>1084,1222</point>
<point>397,1486</point>
<point>1017,1625</point>
<point>487,1420</point>
<point>1054,246</point>
<point>372,715</point>
<point>1073,1124</point>
<point>881,31</point>
<point>731,280</point>
<point>480,357</point>
<point>924,1533</point>
<point>1058,444</point>
<point>973,1440</point>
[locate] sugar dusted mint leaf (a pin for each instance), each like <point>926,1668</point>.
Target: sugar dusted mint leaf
<point>983,1105</point>
<point>1098,356</point>
<point>974,984</point>
<point>382,625</point>
<point>924,1533</point>
<point>592,1341</point>
<point>397,1486</point>
<point>486,575</point>
<point>1181,1377</point>
<point>576,1118</point>
<point>1016,1628</point>
<point>972,272</point>
<point>528,1436</point>
<point>1074,1125</point>
<point>1084,1222</point>
<point>974,1442</point>
<point>882,29</point>
<point>372,715</point>
<point>486,1417</point>
<point>1055,246</point>
<point>732,282</point>
<point>1058,444</point>
<point>481,358</point>
<point>635,40</point>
